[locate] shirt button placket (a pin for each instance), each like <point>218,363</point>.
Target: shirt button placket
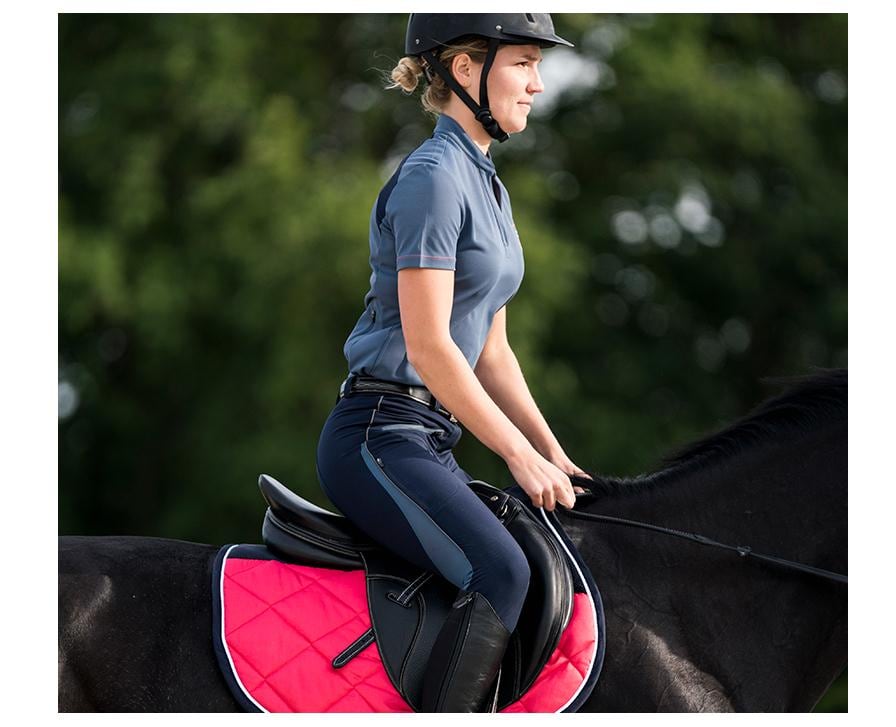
<point>498,208</point>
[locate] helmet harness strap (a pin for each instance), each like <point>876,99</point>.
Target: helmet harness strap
<point>481,112</point>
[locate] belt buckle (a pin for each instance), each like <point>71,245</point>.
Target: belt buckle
<point>346,386</point>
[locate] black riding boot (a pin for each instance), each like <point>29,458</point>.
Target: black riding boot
<point>465,658</point>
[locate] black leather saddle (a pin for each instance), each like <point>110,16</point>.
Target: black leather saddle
<point>408,607</point>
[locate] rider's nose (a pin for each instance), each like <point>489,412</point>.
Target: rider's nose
<point>535,83</point>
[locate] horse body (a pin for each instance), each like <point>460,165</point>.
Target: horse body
<point>689,628</point>
<point>135,627</point>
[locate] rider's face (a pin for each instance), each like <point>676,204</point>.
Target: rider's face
<point>513,82</point>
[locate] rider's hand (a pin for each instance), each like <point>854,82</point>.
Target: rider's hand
<point>545,483</point>
<point>559,459</point>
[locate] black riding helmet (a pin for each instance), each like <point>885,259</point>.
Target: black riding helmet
<point>427,32</point>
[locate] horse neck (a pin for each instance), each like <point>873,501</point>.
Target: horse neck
<point>721,631</point>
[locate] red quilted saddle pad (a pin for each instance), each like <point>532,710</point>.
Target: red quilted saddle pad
<point>281,625</point>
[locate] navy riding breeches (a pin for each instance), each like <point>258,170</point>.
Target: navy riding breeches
<point>385,462</point>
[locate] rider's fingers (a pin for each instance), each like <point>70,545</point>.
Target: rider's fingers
<point>537,499</point>
<point>566,494</point>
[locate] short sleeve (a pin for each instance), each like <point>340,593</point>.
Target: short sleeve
<point>425,212</point>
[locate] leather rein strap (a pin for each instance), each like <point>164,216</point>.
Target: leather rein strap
<point>742,550</point>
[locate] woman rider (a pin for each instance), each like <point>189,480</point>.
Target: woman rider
<point>430,351</point>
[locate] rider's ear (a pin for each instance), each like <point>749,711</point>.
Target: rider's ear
<point>462,69</point>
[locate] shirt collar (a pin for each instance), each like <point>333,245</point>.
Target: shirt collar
<point>448,127</point>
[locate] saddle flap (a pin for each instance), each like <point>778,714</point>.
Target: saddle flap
<point>407,610</point>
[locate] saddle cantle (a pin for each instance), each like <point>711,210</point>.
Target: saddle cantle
<point>407,606</point>
<point>305,533</point>
<point>301,530</point>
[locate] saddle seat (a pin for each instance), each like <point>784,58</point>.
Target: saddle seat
<point>407,607</point>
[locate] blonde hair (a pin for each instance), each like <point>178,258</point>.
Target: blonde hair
<point>406,75</point>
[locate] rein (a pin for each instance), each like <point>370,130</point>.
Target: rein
<point>742,550</point>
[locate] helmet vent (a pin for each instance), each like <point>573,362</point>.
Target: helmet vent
<point>530,18</point>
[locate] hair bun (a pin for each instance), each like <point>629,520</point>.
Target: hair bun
<point>406,75</point>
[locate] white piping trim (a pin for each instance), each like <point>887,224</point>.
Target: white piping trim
<point>372,415</point>
<point>236,676</point>
<point>593,608</point>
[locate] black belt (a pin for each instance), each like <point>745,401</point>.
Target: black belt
<point>356,384</point>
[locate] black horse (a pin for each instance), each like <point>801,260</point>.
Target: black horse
<point>689,628</point>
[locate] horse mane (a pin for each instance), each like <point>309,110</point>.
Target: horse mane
<point>808,399</point>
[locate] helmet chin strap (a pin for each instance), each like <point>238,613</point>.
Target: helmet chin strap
<point>481,112</point>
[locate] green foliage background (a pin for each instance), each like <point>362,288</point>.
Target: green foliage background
<point>216,177</point>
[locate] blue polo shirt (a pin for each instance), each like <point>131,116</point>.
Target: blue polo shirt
<point>443,208</point>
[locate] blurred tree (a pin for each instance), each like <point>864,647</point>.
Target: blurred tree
<point>680,194</point>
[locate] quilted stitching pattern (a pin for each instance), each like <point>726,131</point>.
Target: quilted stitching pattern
<point>284,624</point>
